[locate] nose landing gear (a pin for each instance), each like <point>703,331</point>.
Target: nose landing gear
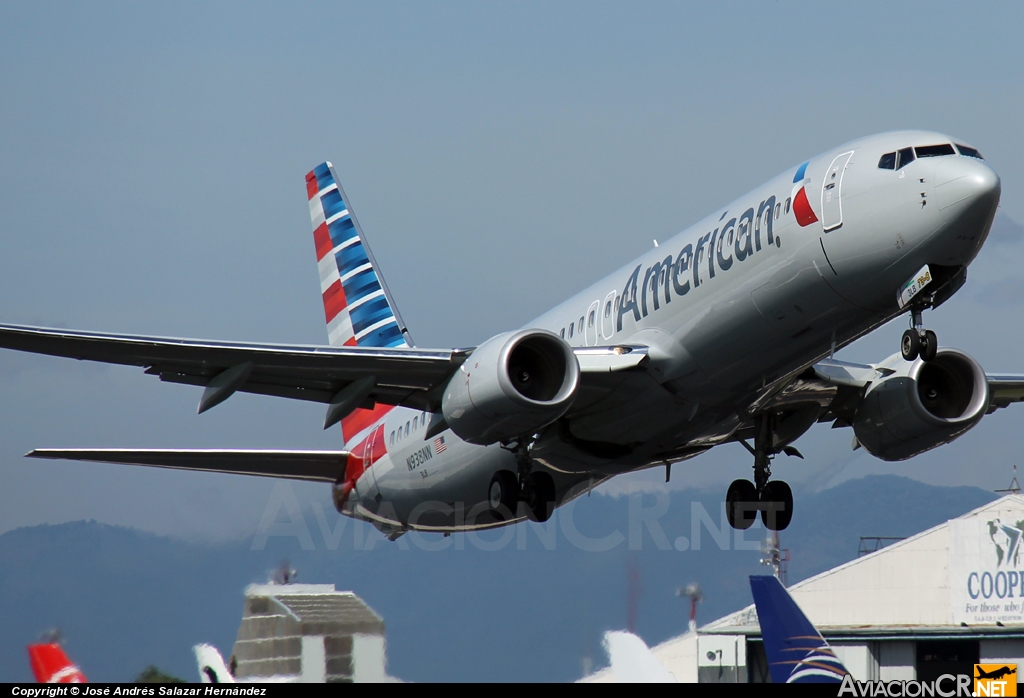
<point>918,341</point>
<point>773,499</point>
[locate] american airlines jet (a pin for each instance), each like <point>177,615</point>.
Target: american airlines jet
<point>725,333</point>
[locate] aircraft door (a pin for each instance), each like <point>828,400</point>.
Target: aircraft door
<point>591,324</point>
<point>608,317</point>
<point>831,193</point>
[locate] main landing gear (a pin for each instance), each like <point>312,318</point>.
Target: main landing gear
<point>535,489</point>
<point>918,341</point>
<point>773,499</point>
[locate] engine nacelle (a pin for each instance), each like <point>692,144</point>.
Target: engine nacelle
<point>512,385</point>
<point>922,405</point>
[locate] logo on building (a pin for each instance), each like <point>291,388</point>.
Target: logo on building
<point>995,679</point>
<point>1006,539</point>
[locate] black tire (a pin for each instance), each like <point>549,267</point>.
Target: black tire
<point>777,503</point>
<point>540,496</point>
<point>910,345</point>
<point>741,504</point>
<point>929,346</point>
<point>503,495</point>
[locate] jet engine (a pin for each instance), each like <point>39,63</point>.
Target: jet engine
<point>512,385</point>
<point>922,405</point>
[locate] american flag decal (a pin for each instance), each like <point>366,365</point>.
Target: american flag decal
<point>439,446</point>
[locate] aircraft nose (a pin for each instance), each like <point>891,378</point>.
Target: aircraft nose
<point>963,185</point>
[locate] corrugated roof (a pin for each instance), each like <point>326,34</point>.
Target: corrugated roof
<point>339,608</point>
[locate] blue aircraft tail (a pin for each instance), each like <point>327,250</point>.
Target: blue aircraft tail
<point>796,651</point>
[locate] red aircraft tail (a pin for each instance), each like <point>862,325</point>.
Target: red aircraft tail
<point>51,665</point>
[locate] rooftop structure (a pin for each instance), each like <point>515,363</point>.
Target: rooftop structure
<point>308,632</point>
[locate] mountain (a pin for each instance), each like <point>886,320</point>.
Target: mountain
<point>524,603</point>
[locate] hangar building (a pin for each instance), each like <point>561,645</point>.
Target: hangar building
<point>935,603</point>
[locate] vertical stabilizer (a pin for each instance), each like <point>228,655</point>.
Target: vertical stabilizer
<point>796,651</point>
<point>632,661</point>
<point>51,665</point>
<point>211,665</point>
<point>357,304</point>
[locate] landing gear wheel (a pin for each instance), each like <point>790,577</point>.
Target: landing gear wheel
<point>929,345</point>
<point>503,495</point>
<point>910,345</point>
<point>539,493</point>
<point>741,504</point>
<point>776,505</point>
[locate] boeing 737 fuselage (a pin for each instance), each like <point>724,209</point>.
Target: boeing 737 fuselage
<point>723,333</point>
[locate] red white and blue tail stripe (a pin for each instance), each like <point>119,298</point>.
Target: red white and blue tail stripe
<point>357,304</point>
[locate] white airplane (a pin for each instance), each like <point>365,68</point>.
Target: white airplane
<point>722,334</point>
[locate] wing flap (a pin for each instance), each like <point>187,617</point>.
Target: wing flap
<point>316,466</point>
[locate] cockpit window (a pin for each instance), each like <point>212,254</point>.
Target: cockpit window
<point>887,162</point>
<point>969,151</point>
<point>934,151</point>
<point>904,157</point>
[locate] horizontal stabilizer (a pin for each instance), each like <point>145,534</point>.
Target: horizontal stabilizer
<point>319,466</point>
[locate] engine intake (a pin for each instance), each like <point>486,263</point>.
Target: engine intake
<point>512,385</point>
<point>922,406</point>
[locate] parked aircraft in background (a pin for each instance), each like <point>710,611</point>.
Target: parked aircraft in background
<point>796,651</point>
<point>723,334</point>
<point>632,661</point>
<point>51,665</point>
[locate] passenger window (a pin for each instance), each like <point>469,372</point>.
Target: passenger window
<point>934,151</point>
<point>415,423</point>
<point>786,211</point>
<point>778,210</point>
<point>580,328</point>
<point>392,438</point>
<point>561,333</point>
<point>969,152</point>
<point>590,319</point>
<point>608,309</point>
<point>887,162</point>
<point>904,157</point>
<point>571,329</point>
<point>407,428</point>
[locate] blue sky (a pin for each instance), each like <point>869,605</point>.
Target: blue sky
<point>499,156</point>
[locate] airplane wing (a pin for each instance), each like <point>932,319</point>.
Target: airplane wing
<point>314,466</point>
<point>316,373</point>
<point>1004,388</point>
<point>400,376</point>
